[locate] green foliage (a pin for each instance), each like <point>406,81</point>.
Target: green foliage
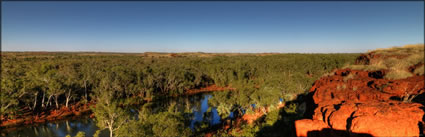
<point>114,82</point>
<point>134,128</point>
<point>291,108</point>
<point>277,122</point>
<point>161,124</point>
<point>97,133</point>
<point>168,124</point>
<point>248,131</point>
<point>265,96</point>
<point>272,117</point>
<point>224,109</point>
<point>80,134</point>
<point>12,87</point>
<point>108,114</point>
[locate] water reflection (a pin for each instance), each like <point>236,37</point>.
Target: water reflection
<point>57,129</point>
<point>196,106</point>
<point>201,114</point>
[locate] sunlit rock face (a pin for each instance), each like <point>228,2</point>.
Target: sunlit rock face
<point>364,105</point>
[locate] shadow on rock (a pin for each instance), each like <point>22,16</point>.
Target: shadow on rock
<point>328,132</point>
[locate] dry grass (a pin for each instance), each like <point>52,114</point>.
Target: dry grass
<point>419,70</point>
<point>396,60</point>
<point>398,74</point>
<point>348,77</point>
<point>398,67</point>
<point>406,49</point>
<point>341,87</point>
<point>372,67</point>
<point>328,74</point>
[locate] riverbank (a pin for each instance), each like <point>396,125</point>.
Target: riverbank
<point>74,110</point>
<point>230,125</point>
<point>78,109</point>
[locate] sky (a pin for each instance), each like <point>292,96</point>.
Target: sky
<point>183,26</point>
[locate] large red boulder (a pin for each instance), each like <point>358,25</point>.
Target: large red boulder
<point>387,118</point>
<point>361,102</point>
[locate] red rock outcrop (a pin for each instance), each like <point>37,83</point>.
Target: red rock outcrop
<point>361,102</point>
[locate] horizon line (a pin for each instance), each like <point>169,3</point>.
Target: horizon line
<point>117,52</point>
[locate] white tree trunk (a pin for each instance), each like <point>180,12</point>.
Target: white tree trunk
<point>48,101</point>
<point>56,101</point>
<point>35,100</point>
<point>67,100</point>
<point>85,90</point>
<point>110,131</point>
<point>68,97</point>
<point>42,100</point>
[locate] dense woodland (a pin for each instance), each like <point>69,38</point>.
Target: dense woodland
<point>56,80</point>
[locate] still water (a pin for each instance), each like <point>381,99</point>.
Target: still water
<point>200,109</point>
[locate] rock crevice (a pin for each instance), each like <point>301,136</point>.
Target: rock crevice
<point>366,104</point>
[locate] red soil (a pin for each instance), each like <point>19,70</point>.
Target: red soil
<point>55,114</point>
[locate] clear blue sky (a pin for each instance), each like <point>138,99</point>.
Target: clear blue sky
<point>210,26</point>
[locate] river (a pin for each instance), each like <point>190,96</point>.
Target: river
<point>198,104</point>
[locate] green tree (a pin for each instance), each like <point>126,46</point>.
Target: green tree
<point>70,81</point>
<point>12,88</point>
<point>80,134</point>
<point>107,111</point>
<point>163,124</point>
